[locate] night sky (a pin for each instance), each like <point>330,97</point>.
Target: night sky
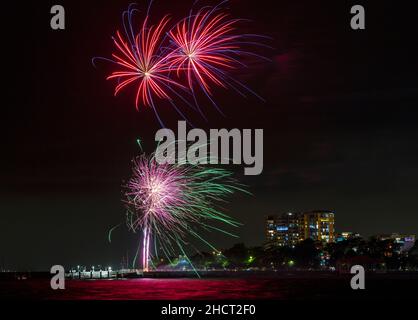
<point>340,125</point>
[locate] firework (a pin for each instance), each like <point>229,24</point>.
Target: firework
<point>142,61</point>
<point>170,202</point>
<point>205,46</point>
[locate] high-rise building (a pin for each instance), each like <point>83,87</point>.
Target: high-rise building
<point>288,231</point>
<point>270,228</point>
<point>319,225</point>
<point>290,228</point>
<point>284,228</point>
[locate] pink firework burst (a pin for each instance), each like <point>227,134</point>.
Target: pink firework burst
<point>170,202</point>
<point>155,188</point>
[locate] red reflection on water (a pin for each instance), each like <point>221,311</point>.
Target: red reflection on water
<point>150,289</point>
<point>285,286</point>
<point>169,289</point>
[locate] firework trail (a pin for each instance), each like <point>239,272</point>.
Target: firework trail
<point>169,203</point>
<point>200,50</point>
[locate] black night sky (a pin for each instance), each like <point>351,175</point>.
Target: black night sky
<point>340,125</point>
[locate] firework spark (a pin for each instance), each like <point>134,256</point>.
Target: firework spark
<point>169,202</point>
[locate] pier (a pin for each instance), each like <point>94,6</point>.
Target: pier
<point>104,274</point>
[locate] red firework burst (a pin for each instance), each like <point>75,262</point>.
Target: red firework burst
<point>141,62</point>
<point>205,46</point>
